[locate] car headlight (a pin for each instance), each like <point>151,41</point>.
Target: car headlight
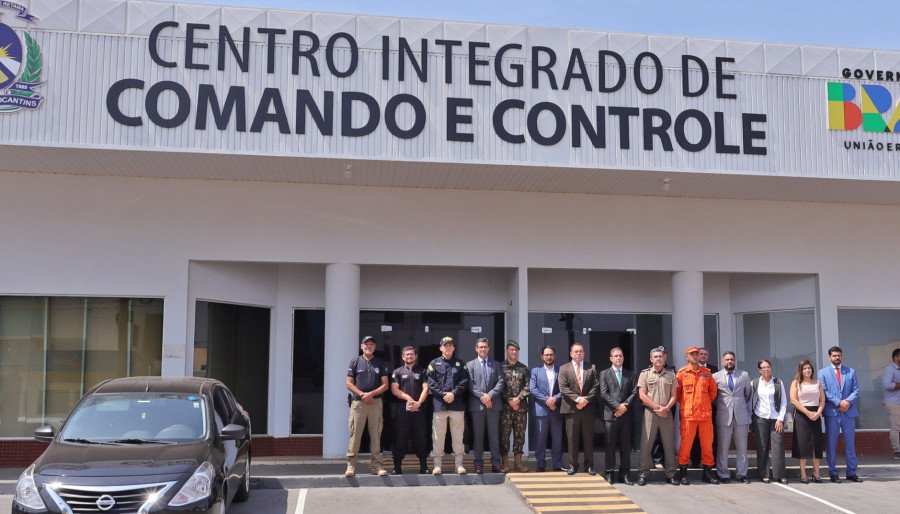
<point>197,488</point>
<point>27,493</point>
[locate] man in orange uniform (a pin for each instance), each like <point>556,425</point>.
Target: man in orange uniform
<point>696,391</point>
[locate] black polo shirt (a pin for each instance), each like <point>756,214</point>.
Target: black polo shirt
<point>410,381</point>
<point>367,374</point>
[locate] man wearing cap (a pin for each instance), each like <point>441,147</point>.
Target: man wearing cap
<point>516,377</point>
<point>367,380</point>
<point>696,391</point>
<point>448,380</point>
<point>485,404</point>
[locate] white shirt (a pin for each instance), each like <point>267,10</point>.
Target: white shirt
<point>551,376</point>
<point>766,404</point>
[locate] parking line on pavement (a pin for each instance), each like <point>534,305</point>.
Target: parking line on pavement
<point>557,492</point>
<point>816,498</point>
<point>301,501</point>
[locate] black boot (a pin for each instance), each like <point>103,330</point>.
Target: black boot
<point>682,474</point>
<point>710,476</point>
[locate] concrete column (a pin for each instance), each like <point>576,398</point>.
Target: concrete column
<point>341,344</point>
<point>827,316</point>
<point>687,314</point>
<point>281,360</point>
<point>178,327</point>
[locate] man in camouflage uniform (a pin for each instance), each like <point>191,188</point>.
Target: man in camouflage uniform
<point>516,377</point>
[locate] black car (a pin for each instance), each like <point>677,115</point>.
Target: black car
<point>143,445</point>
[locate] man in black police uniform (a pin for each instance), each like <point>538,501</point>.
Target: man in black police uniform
<point>408,384</point>
<point>367,380</point>
<point>448,381</point>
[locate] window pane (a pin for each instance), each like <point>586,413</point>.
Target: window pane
<point>65,357</point>
<point>309,372</point>
<point>87,341</point>
<point>21,365</point>
<point>784,338</point>
<point>146,337</point>
<point>867,338</point>
<point>106,344</point>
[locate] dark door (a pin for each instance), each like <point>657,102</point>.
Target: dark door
<point>395,330</point>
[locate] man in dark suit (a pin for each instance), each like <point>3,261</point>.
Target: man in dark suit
<point>578,386</point>
<point>618,390</point>
<point>485,405</point>
<point>544,387</point>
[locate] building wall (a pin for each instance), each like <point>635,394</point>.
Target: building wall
<point>267,244</point>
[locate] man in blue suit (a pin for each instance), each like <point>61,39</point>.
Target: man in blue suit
<point>547,399</point>
<point>841,411</point>
<point>485,405</point>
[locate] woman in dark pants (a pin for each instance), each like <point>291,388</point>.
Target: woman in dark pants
<point>769,408</point>
<point>808,398</point>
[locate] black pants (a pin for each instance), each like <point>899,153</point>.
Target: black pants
<point>410,425</point>
<point>618,438</point>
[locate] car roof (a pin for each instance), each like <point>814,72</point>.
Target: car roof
<point>191,385</point>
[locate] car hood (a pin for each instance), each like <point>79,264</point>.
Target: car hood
<point>82,460</point>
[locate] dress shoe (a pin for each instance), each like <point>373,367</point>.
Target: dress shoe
<point>642,480</point>
<point>783,481</point>
<point>709,476</point>
<point>683,475</point>
<point>540,470</point>
<point>571,470</point>
<point>496,469</point>
<point>380,472</point>
<point>590,471</point>
<point>396,471</point>
<point>836,479</point>
<point>742,479</point>
<point>725,480</point>
<point>854,478</point>
<point>610,476</point>
<point>817,480</point>
<point>673,481</point>
<point>479,469</point>
<point>625,480</point>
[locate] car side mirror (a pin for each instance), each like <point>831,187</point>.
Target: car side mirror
<point>44,433</point>
<point>233,432</point>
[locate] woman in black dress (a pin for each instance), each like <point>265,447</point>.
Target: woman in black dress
<point>808,398</point>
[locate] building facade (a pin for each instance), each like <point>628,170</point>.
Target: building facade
<point>243,193</point>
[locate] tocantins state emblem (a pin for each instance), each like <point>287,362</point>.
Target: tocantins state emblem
<point>20,66</point>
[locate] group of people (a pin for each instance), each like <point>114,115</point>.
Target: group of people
<point>496,396</point>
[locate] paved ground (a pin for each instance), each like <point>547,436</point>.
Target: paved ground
<point>316,486</point>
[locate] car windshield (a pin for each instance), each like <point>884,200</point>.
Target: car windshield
<point>137,418</point>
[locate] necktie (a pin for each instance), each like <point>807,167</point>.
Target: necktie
<point>730,381</point>
<point>578,375</point>
<point>838,372</point>
<point>484,373</point>
<point>619,377</point>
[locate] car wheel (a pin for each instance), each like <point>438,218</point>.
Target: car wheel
<point>243,492</point>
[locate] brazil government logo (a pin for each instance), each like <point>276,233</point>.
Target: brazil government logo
<point>21,64</point>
